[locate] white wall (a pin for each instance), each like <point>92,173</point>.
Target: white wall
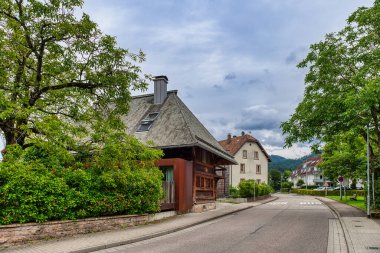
<point>250,165</point>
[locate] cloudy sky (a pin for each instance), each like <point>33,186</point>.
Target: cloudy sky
<point>233,62</point>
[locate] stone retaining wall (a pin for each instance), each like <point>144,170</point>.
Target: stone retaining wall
<point>21,233</point>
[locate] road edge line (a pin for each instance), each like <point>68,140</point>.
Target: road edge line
<point>347,236</point>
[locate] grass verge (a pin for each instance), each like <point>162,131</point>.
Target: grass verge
<point>359,203</point>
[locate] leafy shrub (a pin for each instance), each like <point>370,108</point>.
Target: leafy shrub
<point>120,178</point>
<point>287,184</point>
<point>285,190</point>
<point>300,182</point>
<point>234,192</point>
<point>249,188</point>
<point>329,193</point>
<point>264,189</point>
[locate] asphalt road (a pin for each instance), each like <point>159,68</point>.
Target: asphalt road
<point>290,224</point>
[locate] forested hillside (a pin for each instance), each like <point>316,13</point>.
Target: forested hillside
<point>281,163</point>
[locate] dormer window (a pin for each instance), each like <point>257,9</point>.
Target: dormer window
<point>147,122</point>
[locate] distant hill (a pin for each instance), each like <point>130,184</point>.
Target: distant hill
<point>281,163</point>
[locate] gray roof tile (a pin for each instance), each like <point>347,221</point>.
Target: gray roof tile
<point>175,126</point>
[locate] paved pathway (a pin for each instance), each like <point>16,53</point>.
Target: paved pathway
<point>104,240</point>
<point>361,234</point>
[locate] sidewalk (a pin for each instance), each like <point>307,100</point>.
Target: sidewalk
<point>361,234</point>
<point>103,240</point>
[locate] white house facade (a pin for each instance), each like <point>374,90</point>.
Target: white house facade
<point>309,172</point>
<point>251,157</point>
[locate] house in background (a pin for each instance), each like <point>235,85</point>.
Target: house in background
<point>192,156</point>
<point>312,175</point>
<point>252,161</point>
<point>309,172</point>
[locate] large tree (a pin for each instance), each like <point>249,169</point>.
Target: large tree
<point>59,74</point>
<point>342,91</point>
<point>345,155</point>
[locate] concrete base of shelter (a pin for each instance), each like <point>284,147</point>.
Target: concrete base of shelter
<point>202,207</point>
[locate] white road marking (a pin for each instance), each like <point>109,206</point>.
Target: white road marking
<point>310,203</point>
<point>278,203</point>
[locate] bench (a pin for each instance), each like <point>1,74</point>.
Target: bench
<point>353,197</point>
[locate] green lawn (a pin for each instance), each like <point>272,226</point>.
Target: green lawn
<point>359,203</point>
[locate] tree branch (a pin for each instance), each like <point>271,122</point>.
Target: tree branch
<point>56,113</point>
<point>36,95</point>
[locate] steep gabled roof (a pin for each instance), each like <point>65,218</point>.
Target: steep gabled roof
<point>175,126</point>
<point>234,144</point>
<point>308,166</point>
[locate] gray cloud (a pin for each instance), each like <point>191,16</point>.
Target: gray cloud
<point>230,76</point>
<point>295,56</point>
<point>291,58</point>
<point>255,81</point>
<point>209,45</point>
<point>218,87</point>
<point>259,117</point>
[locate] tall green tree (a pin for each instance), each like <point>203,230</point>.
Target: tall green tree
<point>342,85</point>
<point>59,74</point>
<point>345,155</point>
<point>286,175</point>
<point>275,179</point>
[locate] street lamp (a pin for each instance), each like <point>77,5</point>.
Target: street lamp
<point>368,183</point>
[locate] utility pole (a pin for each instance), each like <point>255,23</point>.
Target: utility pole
<point>368,182</point>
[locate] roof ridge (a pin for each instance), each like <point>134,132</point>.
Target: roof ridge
<point>152,94</point>
<point>184,118</point>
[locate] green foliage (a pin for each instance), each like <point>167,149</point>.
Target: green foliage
<point>287,184</point>
<point>234,192</point>
<point>374,203</point>
<point>275,179</point>
<point>35,187</point>
<point>323,193</point>
<point>300,182</point>
<point>249,188</point>
<point>282,164</point>
<point>344,155</point>
<point>264,189</point>
<point>59,74</point>
<point>342,94</point>
<point>286,175</point>
<point>359,203</point>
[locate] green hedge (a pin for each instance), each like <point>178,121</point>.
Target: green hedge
<point>249,188</point>
<point>116,180</point>
<point>329,193</point>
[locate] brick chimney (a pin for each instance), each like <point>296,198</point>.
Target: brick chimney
<point>229,138</point>
<point>160,89</point>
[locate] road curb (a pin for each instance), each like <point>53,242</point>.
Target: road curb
<point>347,237</point>
<point>143,238</point>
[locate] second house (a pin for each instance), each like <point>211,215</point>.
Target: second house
<point>252,161</point>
